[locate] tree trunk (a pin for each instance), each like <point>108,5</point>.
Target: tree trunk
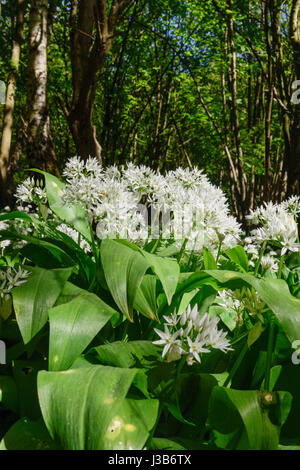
<point>92,31</point>
<point>35,137</point>
<point>40,151</point>
<point>10,103</point>
<point>293,162</point>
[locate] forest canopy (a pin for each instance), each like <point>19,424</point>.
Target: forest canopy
<point>164,83</point>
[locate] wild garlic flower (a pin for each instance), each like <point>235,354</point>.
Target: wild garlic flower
<point>227,299</point>
<point>189,335</point>
<point>31,191</point>
<point>277,224</point>
<point>292,205</point>
<point>191,207</point>
<point>4,243</point>
<point>75,236</point>
<point>269,263</point>
<point>10,278</point>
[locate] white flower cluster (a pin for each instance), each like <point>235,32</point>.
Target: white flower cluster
<point>3,243</point>
<point>190,334</point>
<point>277,224</point>
<point>227,299</point>
<point>10,278</point>
<point>75,236</point>
<point>241,300</point>
<point>31,191</point>
<point>118,200</point>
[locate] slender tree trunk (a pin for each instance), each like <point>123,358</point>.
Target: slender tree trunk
<point>92,31</point>
<point>35,136</point>
<point>10,102</point>
<point>293,163</point>
<point>235,123</point>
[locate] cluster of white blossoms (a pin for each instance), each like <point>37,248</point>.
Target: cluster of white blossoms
<point>3,243</point>
<point>190,334</point>
<point>76,237</point>
<point>10,278</point>
<point>277,224</point>
<point>119,201</point>
<point>31,191</point>
<point>241,300</point>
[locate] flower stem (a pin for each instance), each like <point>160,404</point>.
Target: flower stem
<point>262,250</point>
<point>219,252</point>
<point>280,267</point>
<point>269,354</point>
<point>237,364</point>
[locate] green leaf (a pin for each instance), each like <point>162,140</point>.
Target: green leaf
<point>87,408</point>
<point>73,215</point>
<point>73,325</point>
<point>275,293</point>
<point>124,270</point>
<point>255,333</point>
<point>208,259</point>
<point>16,215</point>
<point>27,435</point>
<point>238,256</point>
<point>228,407</point>
<point>185,301</point>
<point>33,299</point>
<point>129,354</point>
<point>160,443</point>
<point>145,298</point>
<point>167,270</point>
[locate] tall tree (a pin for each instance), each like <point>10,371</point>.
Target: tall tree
<point>7,128</point>
<point>293,162</point>
<point>93,25</point>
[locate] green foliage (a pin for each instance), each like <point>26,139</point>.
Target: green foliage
<point>83,372</point>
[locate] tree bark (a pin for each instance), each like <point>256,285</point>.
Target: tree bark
<point>293,163</point>
<point>10,102</point>
<point>92,31</point>
<point>35,137</point>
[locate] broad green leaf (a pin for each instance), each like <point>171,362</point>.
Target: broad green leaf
<point>73,215</point>
<point>87,408</point>
<point>129,354</point>
<point>275,293</point>
<point>27,435</point>
<point>16,215</point>
<point>228,406</point>
<point>124,270</point>
<point>145,298</point>
<point>160,443</point>
<point>228,316</point>
<point>185,301</point>
<point>255,333</point>
<point>167,270</point>
<point>33,299</point>
<point>208,259</point>
<point>238,256</point>
<point>73,325</point>
<point>130,428</point>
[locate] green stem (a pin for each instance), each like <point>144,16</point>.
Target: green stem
<point>262,250</point>
<point>280,267</point>
<point>180,366</point>
<point>182,250</point>
<point>237,364</point>
<point>219,252</point>
<point>269,355</point>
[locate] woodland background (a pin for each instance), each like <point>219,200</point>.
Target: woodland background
<point>161,83</point>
